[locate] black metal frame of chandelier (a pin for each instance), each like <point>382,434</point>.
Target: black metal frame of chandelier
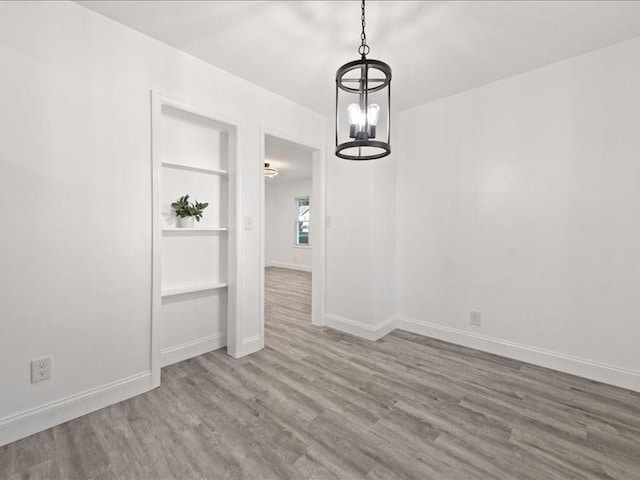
<point>385,83</point>
<point>363,143</point>
<point>368,63</point>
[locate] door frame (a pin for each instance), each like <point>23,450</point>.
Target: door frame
<point>318,192</point>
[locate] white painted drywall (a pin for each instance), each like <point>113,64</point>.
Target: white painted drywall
<point>520,200</point>
<point>349,247</point>
<point>75,140</point>
<point>361,264</point>
<point>280,224</point>
<point>383,236</point>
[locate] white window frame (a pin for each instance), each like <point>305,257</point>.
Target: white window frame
<point>296,242</point>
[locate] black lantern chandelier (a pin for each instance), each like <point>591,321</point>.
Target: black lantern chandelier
<point>363,104</point>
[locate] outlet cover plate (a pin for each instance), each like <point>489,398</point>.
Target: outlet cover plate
<point>40,369</point>
<point>475,318</point>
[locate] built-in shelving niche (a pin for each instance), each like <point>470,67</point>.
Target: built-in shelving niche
<point>194,153</point>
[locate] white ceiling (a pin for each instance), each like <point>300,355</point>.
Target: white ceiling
<point>436,49</point>
<point>293,161</point>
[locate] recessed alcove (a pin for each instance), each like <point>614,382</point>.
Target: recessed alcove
<point>194,154</point>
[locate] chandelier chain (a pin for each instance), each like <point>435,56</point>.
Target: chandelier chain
<point>364,48</point>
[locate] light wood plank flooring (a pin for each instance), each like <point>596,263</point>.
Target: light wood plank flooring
<point>318,404</point>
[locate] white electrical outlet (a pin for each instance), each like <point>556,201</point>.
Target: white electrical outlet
<point>475,318</point>
<point>40,369</point>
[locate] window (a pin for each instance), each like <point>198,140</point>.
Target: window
<point>302,221</point>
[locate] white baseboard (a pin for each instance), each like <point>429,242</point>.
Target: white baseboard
<point>251,345</point>
<point>248,346</point>
<point>359,329</point>
<point>40,418</point>
<point>289,266</point>
<point>184,351</point>
<point>581,367</point>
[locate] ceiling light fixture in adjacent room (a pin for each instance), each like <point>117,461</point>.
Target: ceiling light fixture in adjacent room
<point>269,171</point>
<point>363,106</point>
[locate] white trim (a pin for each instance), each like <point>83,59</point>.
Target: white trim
<point>210,171</point>
<point>250,345</point>
<point>581,367</point>
<point>192,349</point>
<point>234,243</point>
<point>170,292</point>
<point>289,266</point>
<point>194,229</point>
<point>220,117</point>
<point>156,236</point>
<point>318,235</point>
<point>28,422</point>
<point>250,340</point>
<point>359,329</point>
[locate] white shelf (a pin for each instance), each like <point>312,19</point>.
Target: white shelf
<point>195,229</point>
<point>195,288</point>
<point>210,171</point>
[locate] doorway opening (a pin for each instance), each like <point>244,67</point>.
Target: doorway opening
<point>292,233</point>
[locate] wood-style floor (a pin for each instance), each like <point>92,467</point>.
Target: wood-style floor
<point>318,404</point>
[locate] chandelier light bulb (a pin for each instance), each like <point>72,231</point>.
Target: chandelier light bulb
<point>373,111</point>
<point>356,120</point>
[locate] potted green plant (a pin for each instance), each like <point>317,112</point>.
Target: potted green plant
<point>186,211</point>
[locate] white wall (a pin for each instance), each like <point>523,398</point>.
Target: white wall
<point>280,247</point>
<point>360,243</point>
<point>76,169</point>
<point>520,200</point>
<point>383,235</point>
